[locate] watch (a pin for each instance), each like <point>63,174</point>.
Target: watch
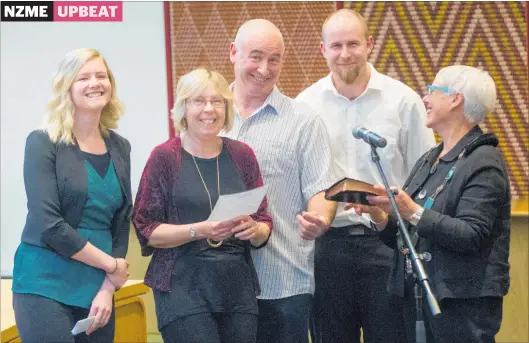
<point>192,232</point>
<point>414,220</point>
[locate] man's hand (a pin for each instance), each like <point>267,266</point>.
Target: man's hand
<point>311,225</point>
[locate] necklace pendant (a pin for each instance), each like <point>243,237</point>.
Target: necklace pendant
<point>214,244</point>
<point>433,169</point>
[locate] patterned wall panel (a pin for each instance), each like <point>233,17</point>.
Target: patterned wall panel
<point>201,33</point>
<point>413,40</point>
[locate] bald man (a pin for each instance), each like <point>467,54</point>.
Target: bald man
<point>351,264</point>
<point>293,150</point>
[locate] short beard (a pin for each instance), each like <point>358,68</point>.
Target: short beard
<point>348,75</point>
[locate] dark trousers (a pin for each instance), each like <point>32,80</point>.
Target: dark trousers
<point>351,273</point>
<point>41,319</point>
<point>285,320</point>
<point>474,320</point>
<point>212,328</point>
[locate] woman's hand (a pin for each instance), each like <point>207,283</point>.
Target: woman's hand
<point>250,230</point>
<point>215,230</point>
<point>407,207</point>
<point>102,307</point>
<point>246,229</point>
<point>120,275</point>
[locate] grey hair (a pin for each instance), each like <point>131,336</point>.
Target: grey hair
<point>477,86</point>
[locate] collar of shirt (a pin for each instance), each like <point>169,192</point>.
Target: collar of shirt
<point>375,83</point>
<point>463,142</point>
<point>273,100</point>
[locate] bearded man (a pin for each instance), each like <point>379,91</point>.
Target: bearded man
<point>351,264</point>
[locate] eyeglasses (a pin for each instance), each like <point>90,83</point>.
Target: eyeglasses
<point>200,103</point>
<point>439,88</point>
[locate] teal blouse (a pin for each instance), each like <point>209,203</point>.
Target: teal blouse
<point>43,272</point>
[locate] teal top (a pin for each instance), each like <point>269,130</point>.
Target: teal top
<point>43,272</point>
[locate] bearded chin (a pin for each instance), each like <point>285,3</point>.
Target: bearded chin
<point>348,75</point>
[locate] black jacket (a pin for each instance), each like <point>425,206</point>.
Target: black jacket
<point>57,186</point>
<point>468,228</point>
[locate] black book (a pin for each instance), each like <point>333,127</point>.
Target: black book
<point>352,191</point>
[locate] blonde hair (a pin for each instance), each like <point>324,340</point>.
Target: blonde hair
<point>342,12</point>
<point>195,83</point>
<point>60,119</point>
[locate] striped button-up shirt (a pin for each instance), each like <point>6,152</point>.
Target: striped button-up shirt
<point>292,147</point>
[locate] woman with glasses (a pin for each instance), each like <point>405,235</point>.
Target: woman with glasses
<point>201,272</point>
<point>457,205</point>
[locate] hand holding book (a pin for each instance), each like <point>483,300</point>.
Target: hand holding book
<point>355,194</point>
<point>351,191</point>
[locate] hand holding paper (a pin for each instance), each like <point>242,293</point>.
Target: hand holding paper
<point>246,228</point>
<point>238,204</point>
<point>82,325</point>
<point>219,230</point>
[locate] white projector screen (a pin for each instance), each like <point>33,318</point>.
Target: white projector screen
<point>30,52</point>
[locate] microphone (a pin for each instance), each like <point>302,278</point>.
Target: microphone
<point>369,137</point>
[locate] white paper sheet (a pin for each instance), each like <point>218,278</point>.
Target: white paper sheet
<point>238,204</point>
<point>82,325</point>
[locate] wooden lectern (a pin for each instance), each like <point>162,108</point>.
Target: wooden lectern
<point>131,317</point>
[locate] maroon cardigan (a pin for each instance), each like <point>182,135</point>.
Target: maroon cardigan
<point>153,205</point>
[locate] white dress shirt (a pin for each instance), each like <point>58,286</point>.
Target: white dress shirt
<point>387,107</point>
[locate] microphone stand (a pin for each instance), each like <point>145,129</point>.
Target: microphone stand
<point>412,254</point>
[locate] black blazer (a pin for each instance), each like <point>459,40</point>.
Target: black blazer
<point>57,186</point>
<point>468,228</point>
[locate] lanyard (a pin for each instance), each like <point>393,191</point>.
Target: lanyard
<point>427,204</point>
<point>431,199</point>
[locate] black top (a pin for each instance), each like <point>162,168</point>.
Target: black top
<point>467,230</point>
<point>99,162</point>
<point>207,279</point>
<point>436,175</point>
<point>56,184</point>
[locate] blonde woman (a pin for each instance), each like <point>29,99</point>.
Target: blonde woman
<point>77,179</point>
<point>201,272</point>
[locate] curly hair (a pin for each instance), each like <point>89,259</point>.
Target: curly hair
<point>59,121</point>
